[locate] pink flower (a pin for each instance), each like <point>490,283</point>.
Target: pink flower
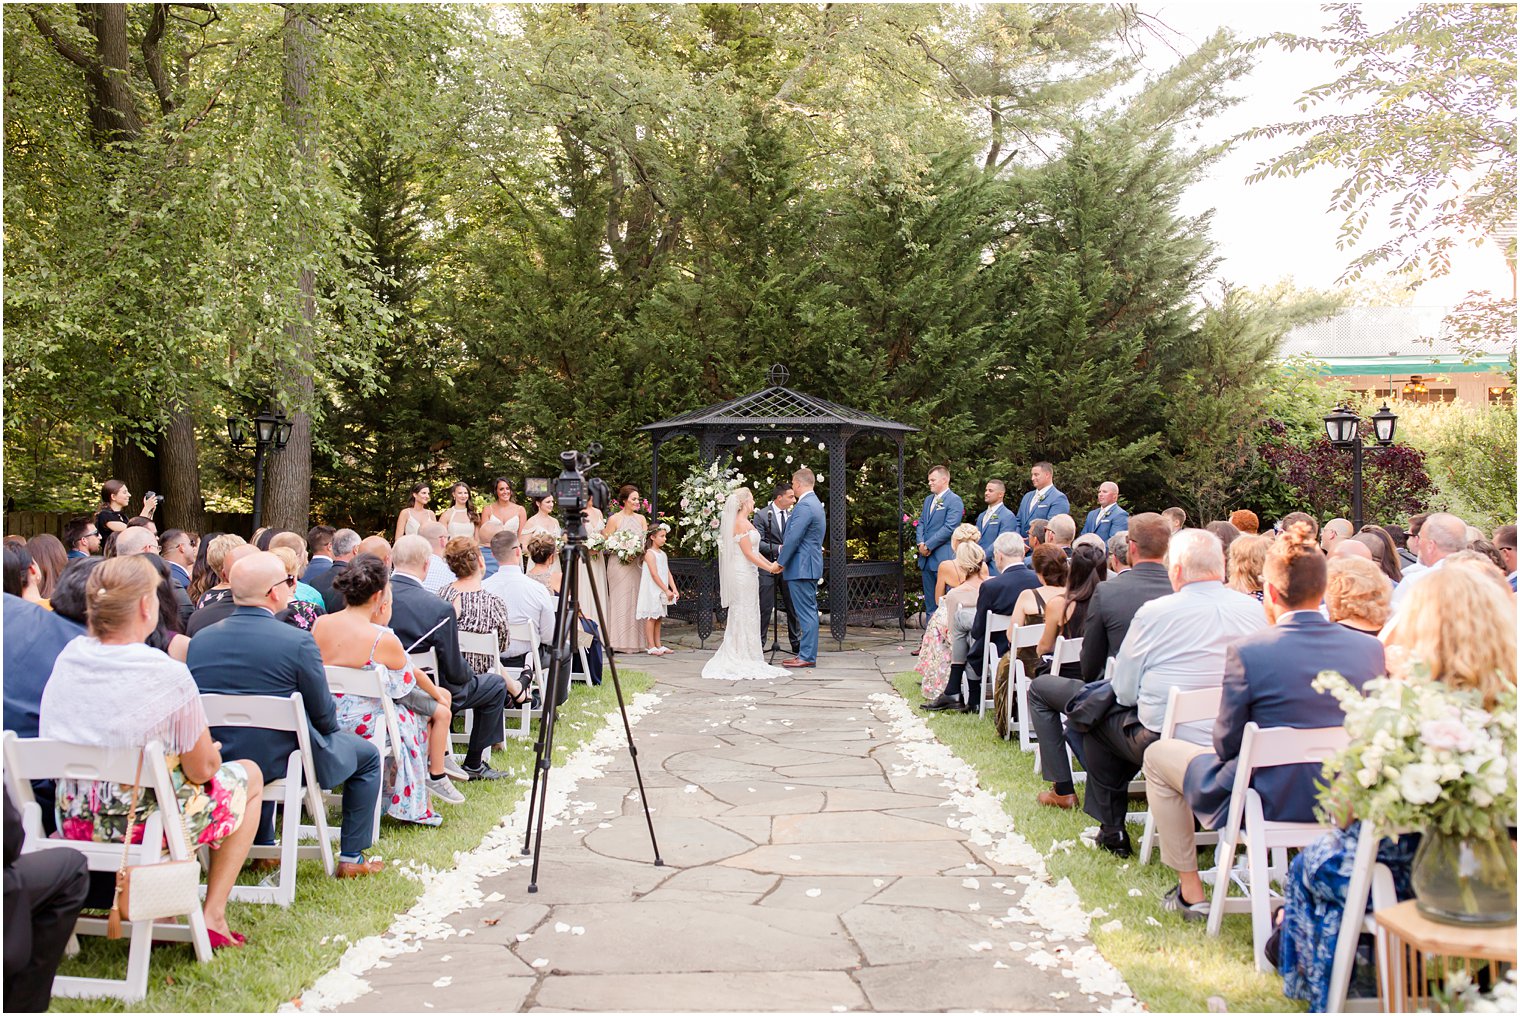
<point>1448,734</point>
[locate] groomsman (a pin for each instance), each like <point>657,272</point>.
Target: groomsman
<point>771,522</point>
<point>995,521</point>
<point>943,511</point>
<point>1108,518</point>
<point>1044,502</point>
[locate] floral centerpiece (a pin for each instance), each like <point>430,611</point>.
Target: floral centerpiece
<point>1429,758</point>
<point>702,496</point>
<point>626,543</point>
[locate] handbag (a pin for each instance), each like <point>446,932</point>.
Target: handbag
<point>146,892</point>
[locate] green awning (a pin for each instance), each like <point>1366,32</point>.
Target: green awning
<point>1386,366</point>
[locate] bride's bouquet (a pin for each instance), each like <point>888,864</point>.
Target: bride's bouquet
<point>703,494</point>
<point>627,543</point>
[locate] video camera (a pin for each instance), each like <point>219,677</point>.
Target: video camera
<point>572,489</point>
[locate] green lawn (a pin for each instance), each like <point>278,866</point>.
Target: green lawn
<point>288,949</point>
<point>1173,967</point>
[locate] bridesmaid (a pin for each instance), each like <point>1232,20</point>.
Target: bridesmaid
<point>415,514</point>
<point>543,521</point>
<point>460,518</point>
<point>503,513</point>
<point>623,631</point>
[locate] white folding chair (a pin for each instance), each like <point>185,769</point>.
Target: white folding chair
<point>370,683</point>
<point>426,660</point>
<point>1025,636</point>
<point>1367,876</point>
<point>286,792</point>
<point>1182,707</point>
<point>1266,843</point>
<point>1065,651</point>
<point>28,759</point>
<point>486,644</point>
<point>990,658</point>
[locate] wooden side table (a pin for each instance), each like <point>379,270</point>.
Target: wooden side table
<point>1407,938</point>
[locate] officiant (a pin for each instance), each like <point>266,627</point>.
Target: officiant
<point>771,522</point>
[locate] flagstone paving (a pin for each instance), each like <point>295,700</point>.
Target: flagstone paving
<point>808,867</point>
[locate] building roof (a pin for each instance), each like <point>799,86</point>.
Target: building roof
<point>779,408</point>
<point>1389,340</point>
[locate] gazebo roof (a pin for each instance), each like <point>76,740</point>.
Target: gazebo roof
<point>777,407</point>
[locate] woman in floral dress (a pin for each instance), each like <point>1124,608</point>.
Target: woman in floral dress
<point>934,650</point>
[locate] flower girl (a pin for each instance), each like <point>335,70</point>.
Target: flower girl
<point>656,590</point>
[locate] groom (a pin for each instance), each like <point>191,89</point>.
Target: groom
<point>801,560</point>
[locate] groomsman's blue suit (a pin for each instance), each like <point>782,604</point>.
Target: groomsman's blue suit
<point>934,528</point>
<point>993,522</point>
<point>801,561</point>
<point>1116,521</point>
<point>1055,503</point>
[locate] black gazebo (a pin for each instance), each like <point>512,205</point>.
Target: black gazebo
<point>861,592</point>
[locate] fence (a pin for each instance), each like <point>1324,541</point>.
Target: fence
<point>30,524</point>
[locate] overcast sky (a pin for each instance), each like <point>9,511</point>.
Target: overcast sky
<point>1285,227</point>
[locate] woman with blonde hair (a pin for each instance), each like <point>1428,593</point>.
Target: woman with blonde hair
<point>970,563</point>
<point>949,574</point>
<point>1458,626</point>
<point>1357,594</point>
<point>935,650</point>
<point>1247,558</point>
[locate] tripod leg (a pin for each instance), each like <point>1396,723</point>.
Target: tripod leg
<point>538,761</point>
<point>559,672</point>
<point>633,751</point>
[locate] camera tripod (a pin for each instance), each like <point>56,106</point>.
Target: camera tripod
<point>571,495</point>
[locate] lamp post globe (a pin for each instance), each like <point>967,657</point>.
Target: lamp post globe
<point>1341,426</point>
<point>1384,421</point>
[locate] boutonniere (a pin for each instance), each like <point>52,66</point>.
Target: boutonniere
<point>1039,497</point>
<point>939,502</point>
<point>1103,512</point>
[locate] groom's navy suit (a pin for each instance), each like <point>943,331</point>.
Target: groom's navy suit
<point>934,528</point>
<point>801,561</point>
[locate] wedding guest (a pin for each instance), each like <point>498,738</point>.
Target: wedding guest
<point>997,596</point>
<point>1409,545</point>
<point>1176,518</point>
<point>211,583</point>
<point>479,610</point>
<point>543,520</point>
<point>949,575</point>
<point>345,544</point>
<point>1483,547</point>
<point>1248,555</point>
<point>1043,501</point>
<point>934,649</point>
<point>219,602</point>
<point>1066,612</point>
<point>543,563</point>
<point>177,548</point>
<point>960,607</point>
<point>111,515</point>
<point>300,612</point>
<point>69,598</point>
<point>357,636</point>
<point>502,515</point>
<point>1246,522</point>
<point>109,690</point>
<point>1460,630</point>
<point>995,520</point>
<point>1357,595</point>
<point>1334,532</point>
<point>300,567</point>
<point>410,520</point>
<point>1114,603</point>
<point>1108,518</point>
<point>167,636</point>
<point>771,522</point>
<point>1352,548</point>
<point>22,576</point>
<point>1504,539</point>
<point>1268,680</point>
<point>251,653</point>
<point>1176,641</point>
<point>1441,536</point>
<point>1385,553</point>
<point>942,513</point>
<point>44,892</point>
<point>51,559</point>
<point>460,518</point>
<point>1118,553</point>
<point>423,621</point>
<point>34,636</point>
<point>1063,529</point>
<point>136,540</point>
<point>1225,533</point>
<point>438,573</point>
<point>1294,518</point>
<point>527,602</point>
<point>656,589</point>
<point>1051,568</point>
<point>82,538</point>
<point>625,633</point>
<point>202,575</point>
<point>319,545</point>
<point>1039,533</point>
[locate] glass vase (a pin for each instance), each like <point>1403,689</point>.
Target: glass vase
<point>1465,881</point>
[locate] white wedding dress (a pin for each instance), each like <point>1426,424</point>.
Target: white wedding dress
<point>740,657</point>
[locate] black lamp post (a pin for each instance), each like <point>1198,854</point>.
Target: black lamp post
<point>269,428</point>
<point>1343,428</point>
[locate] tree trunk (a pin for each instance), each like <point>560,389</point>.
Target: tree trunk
<point>136,467</point>
<point>113,113</point>
<point>179,465</point>
<point>287,489</point>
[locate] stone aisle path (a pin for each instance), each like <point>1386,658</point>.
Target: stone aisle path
<point>815,861</point>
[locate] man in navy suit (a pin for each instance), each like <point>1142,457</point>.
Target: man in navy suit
<point>997,596</point>
<point>250,652</point>
<point>943,511</point>
<point>801,561</point>
<point>81,538</point>
<point>319,540</point>
<point>1108,518</point>
<point>994,522</point>
<point>1268,680</point>
<point>1043,502</point>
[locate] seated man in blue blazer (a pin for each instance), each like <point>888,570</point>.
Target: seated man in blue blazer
<point>1108,518</point>
<point>423,621</point>
<point>1043,502</point>
<point>251,653</point>
<point>997,596</point>
<point>1268,680</point>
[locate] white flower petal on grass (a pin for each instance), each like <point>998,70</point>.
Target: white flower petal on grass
<point>1111,926</point>
<point>1136,892</point>
<point>1152,921</point>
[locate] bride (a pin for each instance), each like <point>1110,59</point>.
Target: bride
<point>739,658</point>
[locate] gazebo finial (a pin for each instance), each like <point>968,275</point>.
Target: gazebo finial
<point>777,376</point>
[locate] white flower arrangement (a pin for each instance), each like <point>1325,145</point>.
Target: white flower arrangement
<point>702,496</point>
<point>1422,756</point>
<point>1462,994</point>
<point>626,543</point>
<point>595,541</point>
